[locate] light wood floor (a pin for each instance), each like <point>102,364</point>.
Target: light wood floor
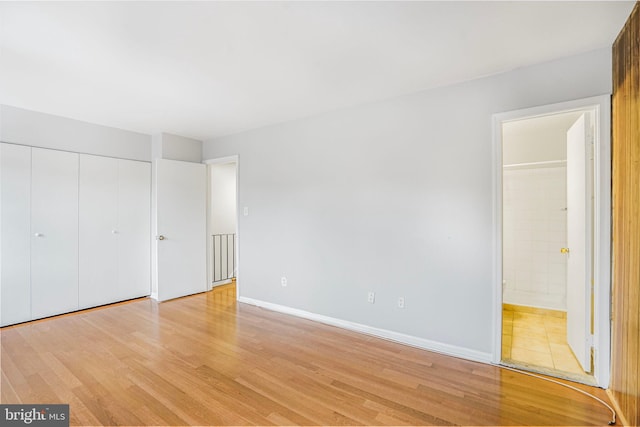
<point>537,337</point>
<point>207,360</point>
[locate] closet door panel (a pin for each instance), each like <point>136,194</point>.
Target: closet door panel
<point>15,240</point>
<point>134,226</point>
<point>54,228</point>
<point>98,207</point>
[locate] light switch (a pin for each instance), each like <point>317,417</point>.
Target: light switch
<point>245,211</point>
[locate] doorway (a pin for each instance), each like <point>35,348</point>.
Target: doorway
<point>549,246</point>
<point>222,223</point>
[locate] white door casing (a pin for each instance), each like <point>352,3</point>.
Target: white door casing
<point>599,109</point>
<point>579,240</point>
<point>181,227</point>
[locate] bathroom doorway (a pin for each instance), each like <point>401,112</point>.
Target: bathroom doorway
<point>549,218</point>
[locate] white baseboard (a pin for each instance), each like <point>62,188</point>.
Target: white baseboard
<point>154,295</point>
<point>534,299</point>
<point>435,346</point>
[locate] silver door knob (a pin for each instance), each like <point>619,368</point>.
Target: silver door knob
<point>161,237</point>
<point>38,234</point>
<point>114,231</point>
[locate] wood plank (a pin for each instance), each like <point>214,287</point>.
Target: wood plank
<point>204,360</point>
<point>625,383</point>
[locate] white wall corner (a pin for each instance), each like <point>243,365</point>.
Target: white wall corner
<point>422,343</point>
<point>176,147</point>
<point>156,146</point>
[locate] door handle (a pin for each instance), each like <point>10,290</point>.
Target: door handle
<point>37,234</point>
<point>564,250</point>
<point>160,237</point>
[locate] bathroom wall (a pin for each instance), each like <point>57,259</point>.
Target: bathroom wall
<point>534,230</point>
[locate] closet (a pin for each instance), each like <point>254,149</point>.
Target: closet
<point>74,231</point>
<point>115,255</point>
<point>54,229</point>
<point>15,233</point>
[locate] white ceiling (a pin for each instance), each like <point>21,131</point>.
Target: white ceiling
<point>207,69</point>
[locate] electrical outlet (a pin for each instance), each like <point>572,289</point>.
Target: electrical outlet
<point>400,302</point>
<point>283,281</point>
<point>371,297</point>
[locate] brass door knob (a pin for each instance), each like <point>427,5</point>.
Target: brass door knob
<point>564,250</point>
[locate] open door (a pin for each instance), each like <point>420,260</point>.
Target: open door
<point>181,228</point>
<point>579,241</point>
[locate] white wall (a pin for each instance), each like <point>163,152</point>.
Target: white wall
<point>394,197</point>
<point>223,198</point>
<point>534,229</point>
<point>36,129</point>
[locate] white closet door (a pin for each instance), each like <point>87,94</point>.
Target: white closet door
<point>134,229</point>
<point>54,228</point>
<point>15,240</point>
<point>98,206</point>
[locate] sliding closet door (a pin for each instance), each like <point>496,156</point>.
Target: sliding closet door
<point>15,240</point>
<point>98,231</point>
<point>54,228</point>
<point>134,229</point>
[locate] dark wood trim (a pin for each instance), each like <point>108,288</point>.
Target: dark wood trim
<point>625,383</point>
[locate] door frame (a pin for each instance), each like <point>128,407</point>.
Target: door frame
<point>601,106</point>
<point>222,160</point>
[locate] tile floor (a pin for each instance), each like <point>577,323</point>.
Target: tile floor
<point>537,337</point>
